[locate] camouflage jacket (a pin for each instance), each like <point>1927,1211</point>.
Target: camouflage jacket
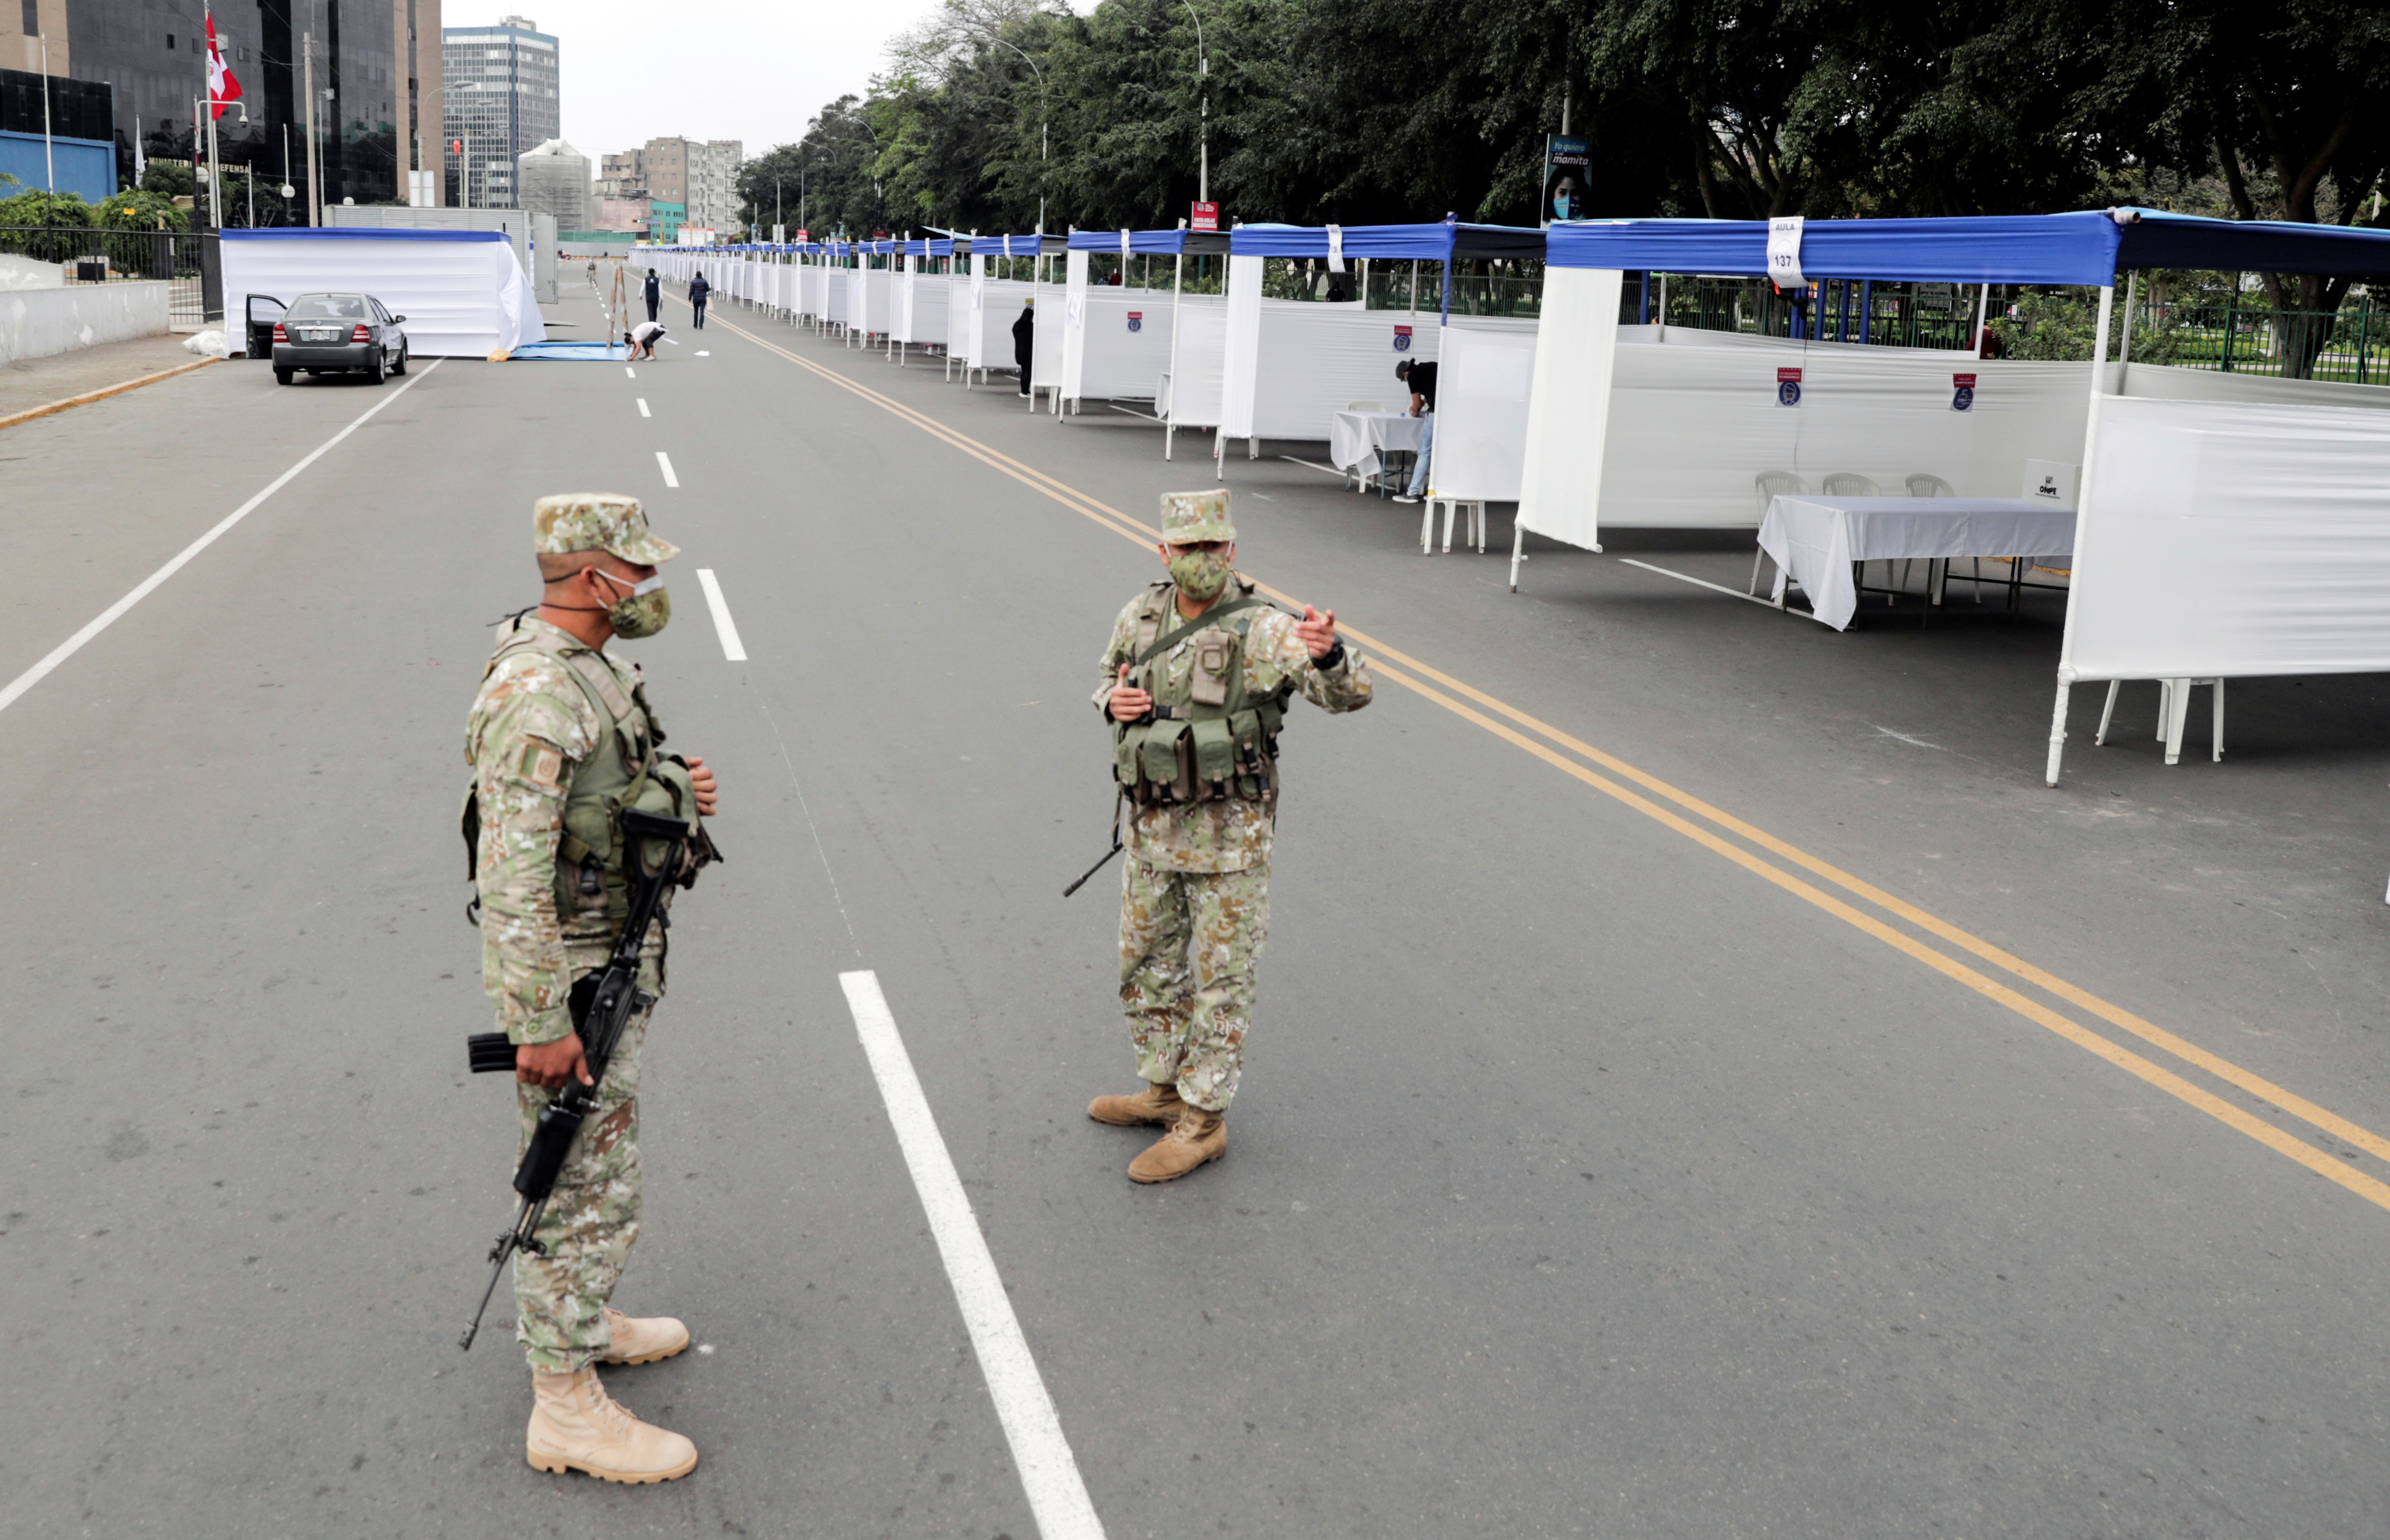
<point>1230,835</point>
<point>531,726</point>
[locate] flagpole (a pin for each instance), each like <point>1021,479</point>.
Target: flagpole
<point>50,155</point>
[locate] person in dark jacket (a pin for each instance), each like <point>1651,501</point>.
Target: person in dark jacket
<point>654,293</point>
<point>1024,341</point>
<point>698,290</point>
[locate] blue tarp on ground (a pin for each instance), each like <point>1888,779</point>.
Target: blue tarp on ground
<point>570,353</point>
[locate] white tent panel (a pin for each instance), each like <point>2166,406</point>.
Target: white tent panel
<point>834,295</point>
<point>1559,477</point>
<point>1629,429</point>
<point>1045,358</point>
<point>1074,325</point>
<point>925,309</point>
<point>1292,363</point>
<point>1199,364</point>
<point>958,314</point>
<point>2167,383</point>
<point>1124,343</point>
<point>1483,376</point>
<point>876,314</point>
<point>2227,539</point>
<point>461,298</point>
<point>1000,302</point>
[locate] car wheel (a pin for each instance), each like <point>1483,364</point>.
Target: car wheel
<point>399,367</point>
<point>379,369</point>
<point>282,376</point>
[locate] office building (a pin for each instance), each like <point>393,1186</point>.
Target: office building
<point>554,179</point>
<point>153,58</point>
<point>501,102</point>
<point>696,179</point>
<point>714,184</point>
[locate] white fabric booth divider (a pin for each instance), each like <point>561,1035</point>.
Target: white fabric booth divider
<point>1115,340</point>
<point>1625,429</point>
<point>959,317</point>
<point>998,305</point>
<point>2227,539</point>
<point>925,307</point>
<point>1485,373</point>
<point>1290,363</point>
<point>874,314</point>
<point>462,291</point>
<point>1190,394</point>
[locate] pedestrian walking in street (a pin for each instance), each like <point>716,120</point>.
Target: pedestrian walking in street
<point>698,290</point>
<point>561,740</point>
<point>1024,341</point>
<point>653,290</point>
<point>1195,683</point>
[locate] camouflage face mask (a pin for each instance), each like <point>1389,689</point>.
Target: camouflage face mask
<point>1199,574</point>
<point>643,612</point>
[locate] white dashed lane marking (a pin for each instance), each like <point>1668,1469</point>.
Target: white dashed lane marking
<point>723,627</point>
<point>664,462</point>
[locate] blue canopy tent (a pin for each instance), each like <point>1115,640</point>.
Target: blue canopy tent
<point>2203,547</point>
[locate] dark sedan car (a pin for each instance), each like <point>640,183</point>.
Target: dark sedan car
<point>338,333</point>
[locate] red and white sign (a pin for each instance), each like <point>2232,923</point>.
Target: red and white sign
<point>222,87</point>
<point>1966,380</point>
<point>1402,338</point>
<point>804,236</point>
<point>1792,374</point>
<point>1206,216</point>
<point>1788,387</point>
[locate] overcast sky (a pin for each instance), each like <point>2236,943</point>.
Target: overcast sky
<point>752,70</point>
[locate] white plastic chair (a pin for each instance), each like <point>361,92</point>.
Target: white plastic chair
<point>1850,483</point>
<point>1924,484</point>
<point>1769,485</point>
<point>2174,704</point>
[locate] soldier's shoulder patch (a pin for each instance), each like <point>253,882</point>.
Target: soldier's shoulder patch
<point>542,764</point>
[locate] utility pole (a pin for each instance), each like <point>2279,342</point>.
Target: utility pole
<point>1203,120</point>
<point>314,189</point>
<point>50,155</point>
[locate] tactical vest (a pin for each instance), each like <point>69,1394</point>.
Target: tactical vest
<point>1206,740</point>
<point>623,769</point>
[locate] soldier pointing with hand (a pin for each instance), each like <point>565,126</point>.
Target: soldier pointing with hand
<point>1195,683</point>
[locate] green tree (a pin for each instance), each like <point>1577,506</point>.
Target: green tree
<point>42,209</point>
<point>140,210</point>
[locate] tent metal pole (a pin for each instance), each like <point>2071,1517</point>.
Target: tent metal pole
<point>1177,282</point>
<point>2082,524</point>
<point>2124,343</point>
<point>1518,550</point>
<point>1982,314</point>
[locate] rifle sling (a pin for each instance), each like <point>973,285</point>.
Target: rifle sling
<point>1202,621</point>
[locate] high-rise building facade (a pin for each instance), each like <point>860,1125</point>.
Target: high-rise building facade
<point>501,100</point>
<point>714,184</point>
<point>154,57</point>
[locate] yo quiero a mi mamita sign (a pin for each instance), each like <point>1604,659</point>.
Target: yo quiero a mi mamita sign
<point>1204,217</point>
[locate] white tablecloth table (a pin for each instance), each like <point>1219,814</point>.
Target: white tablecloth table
<point>1356,439</point>
<point>1816,539</point>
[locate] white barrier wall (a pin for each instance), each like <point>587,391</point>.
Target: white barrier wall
<point>1291,363</point>
<point>36,323</point>
<point>1117,344</point>
<point>2231,538</point>
<point>958,314</point>
<point>998,306</point>
<point>1624,427</point>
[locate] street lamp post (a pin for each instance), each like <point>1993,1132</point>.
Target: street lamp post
<point>1203,119</point>
<point>1043,104</point>
<point>50,154</point>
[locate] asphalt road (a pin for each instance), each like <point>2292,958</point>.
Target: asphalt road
<point>1704,1084</point>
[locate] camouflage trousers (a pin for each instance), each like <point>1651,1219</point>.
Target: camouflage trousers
<point>592,1219</point>
<point>1187,945</point>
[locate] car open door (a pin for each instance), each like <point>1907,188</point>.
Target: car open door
<point>264,310</point>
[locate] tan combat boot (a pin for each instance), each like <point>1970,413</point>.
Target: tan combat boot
<point>576,1426</point>
<point>642,1339</point>
<point>1196,1137</point>
<point>1155,1104</point>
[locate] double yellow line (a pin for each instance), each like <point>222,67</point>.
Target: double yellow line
<point>1788,866</point>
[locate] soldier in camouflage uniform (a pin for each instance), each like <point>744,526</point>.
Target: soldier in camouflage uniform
<point>559,734</point>
<point>1195,682</point>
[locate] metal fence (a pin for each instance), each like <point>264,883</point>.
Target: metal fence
<point>184,261</point>
<point>2246,335</point>
<point>1886,314</point>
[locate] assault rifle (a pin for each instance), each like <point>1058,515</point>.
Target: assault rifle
<point>603,1004</point>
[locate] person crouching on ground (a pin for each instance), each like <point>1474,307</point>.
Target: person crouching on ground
<point>1196,680</point>
<point>642,338</point>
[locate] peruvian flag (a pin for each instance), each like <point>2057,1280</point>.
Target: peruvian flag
<point>222,86</point>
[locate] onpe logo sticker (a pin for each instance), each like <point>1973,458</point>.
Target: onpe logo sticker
<point>1136,320</point>
<point>1963,392</point>
<point>1402,338</point>
<point>1788,387</point>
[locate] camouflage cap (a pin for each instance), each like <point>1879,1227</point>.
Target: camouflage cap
<point>596,521</point>
<point>1188,517</point>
